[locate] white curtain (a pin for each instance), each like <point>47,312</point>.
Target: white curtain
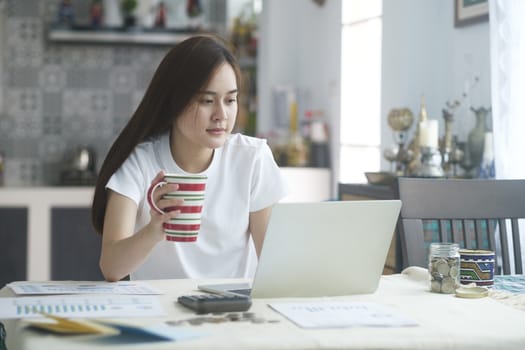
<point>507,46</point>
<point>507,55</point>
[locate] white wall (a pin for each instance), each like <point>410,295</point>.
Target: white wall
<point>422,54</point>
<point>299,45</point>
<point>411,63</point>
<point>471,47</point>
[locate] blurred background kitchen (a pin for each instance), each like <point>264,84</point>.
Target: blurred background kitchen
<point>327,82</point>
<point>73,72</point>
<point>320,76</point>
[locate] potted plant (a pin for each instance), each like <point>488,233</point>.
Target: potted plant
<point>128,8</point>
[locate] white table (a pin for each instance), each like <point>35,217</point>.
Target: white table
<point>444,321</point>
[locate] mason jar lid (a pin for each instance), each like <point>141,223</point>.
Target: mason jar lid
<point>476,252</point>
<point>472,292</point>
<point>444,244</point>
<point>444,247</point>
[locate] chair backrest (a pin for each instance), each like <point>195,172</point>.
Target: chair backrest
<point>471,212</point>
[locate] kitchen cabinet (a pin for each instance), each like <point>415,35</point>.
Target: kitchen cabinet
<point>13,235</point>
<point>75,246</point>
<point>31,214</point>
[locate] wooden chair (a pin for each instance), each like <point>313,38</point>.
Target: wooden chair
<point>473,213</point>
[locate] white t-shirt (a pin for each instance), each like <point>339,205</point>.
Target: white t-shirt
<point>242,178</point>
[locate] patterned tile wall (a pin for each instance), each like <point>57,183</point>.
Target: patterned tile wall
<point>58,96</point>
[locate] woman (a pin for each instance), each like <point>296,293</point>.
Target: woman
<point>183,125</point>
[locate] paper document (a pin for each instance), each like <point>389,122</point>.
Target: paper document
<point>340,314</point>
<point>155,332</point>
<point>41,288</point>
<point>72,306</point>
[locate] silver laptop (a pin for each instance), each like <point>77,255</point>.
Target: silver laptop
<point>321,249</point>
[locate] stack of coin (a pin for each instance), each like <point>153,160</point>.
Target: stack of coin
<point>221,318</point>
<point>444,274</point>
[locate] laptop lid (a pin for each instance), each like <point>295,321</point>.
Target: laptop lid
<point>322,249</point>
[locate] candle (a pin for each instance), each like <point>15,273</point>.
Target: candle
<point>428,133</point>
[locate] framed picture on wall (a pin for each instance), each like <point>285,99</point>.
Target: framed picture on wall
<point>467,12</point>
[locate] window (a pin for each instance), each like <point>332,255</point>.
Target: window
<point>360,133</point>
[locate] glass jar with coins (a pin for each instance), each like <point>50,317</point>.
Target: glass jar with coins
<point>443,267</point>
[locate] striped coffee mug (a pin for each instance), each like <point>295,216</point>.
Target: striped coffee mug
<point>185,227</point>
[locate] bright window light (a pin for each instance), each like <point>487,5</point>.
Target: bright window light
<point>360,133</point>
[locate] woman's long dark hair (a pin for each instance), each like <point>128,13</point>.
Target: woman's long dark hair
<point>181,74</point>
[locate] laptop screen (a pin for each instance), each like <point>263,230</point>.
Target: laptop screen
<point>324,249</point>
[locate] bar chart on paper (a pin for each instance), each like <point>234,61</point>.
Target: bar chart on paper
<point>48,288</point>
<point>81,306</point>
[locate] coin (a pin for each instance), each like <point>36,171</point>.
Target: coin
<point>448,285</point>
<point>442,267</point>
<point>233,317</point>
<point>216,319</point>
<point>435,286</point>
<point>453,271</point>
<point>249,315</point>
<point>258,320</point>
<point>197,321</point>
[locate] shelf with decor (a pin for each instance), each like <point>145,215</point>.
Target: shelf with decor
<point>117,35</point>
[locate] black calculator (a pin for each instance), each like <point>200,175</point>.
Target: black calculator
<point>208,303</point>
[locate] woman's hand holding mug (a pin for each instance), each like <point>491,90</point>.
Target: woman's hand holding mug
<point>177,200</point>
